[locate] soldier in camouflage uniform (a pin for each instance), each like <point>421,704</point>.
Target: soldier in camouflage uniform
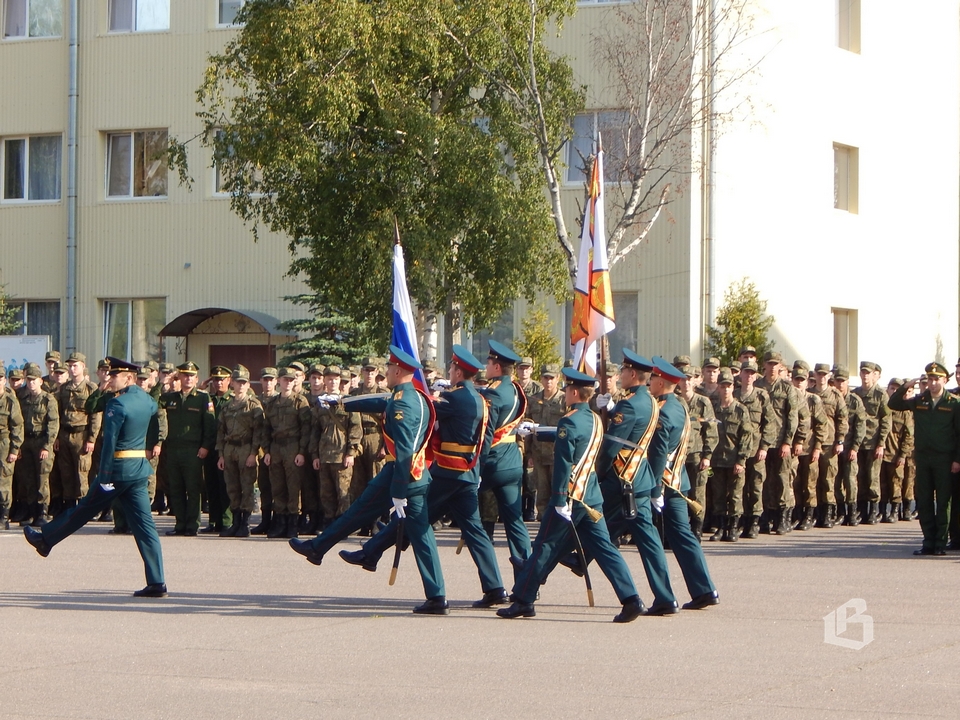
<point>736,438</point>
<point>334,445</point>
<point>287,437</point>
<point>778,500</point>
<point>835,410</point>
<point>239,437</point>
<point>11,438</point>
<point>709,372</point>
<point>77,436</point>
<point>757,402</point>
<point>870,457</point>
<point>700,447</point>
<point>846,486</point>
<point>530,388</point>
<point>50,381</point>
<point>898,448</point>
<point>268,392</point>
<point>370,459</point>
<point>545,407</point>
<point>218,502</point>
<point>311,514</point>
<point>41,423</point>
<point>807,446</point>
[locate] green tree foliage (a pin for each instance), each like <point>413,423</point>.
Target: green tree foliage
<point>741,320</point>
<point>8,315</point>
<point>538,339</point>
<point>332,118</point>
<point>332,338</point>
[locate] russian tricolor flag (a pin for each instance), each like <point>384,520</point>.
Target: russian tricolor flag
<point>404,329</point>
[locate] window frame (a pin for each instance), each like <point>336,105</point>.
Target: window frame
<point>570,146</point>
<point>25,199</point>
<point>847,201</point>
<point>26,36</point>
<point>220,23</point>
<point>133,19</point>
<point>107,304</point>
<point>24,311</point>
<point>131,195</point>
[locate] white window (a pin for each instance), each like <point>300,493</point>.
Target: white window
<point>228,11</point>
<point>846,178</point>
<point>139,15</point>
<point>137,164</point>
<point>131,327</point>
<point>627,309</point>
<point>613,127</point>
<point>845,337</point>
<point>32,18</point>
<point>38,317</point>
<point>31,168</point>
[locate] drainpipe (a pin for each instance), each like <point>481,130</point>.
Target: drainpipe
<point>70,315</point>
<point>708,265</point>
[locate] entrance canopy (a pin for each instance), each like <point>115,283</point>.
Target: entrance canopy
<point>188,322</point>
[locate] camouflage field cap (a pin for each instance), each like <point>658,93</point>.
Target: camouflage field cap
<point>15,373</point>
<point>873,367</point>
<point>103,364</point>
<point>800,372</point>
<point>840,372</point>
<point>52,355</point>
<point>77,357</point>
<point>801,365</point>
<point>332,370</point>
<point>240,374</point>
<point>287,372</point>
<point>611,369</point>
<point>681,360</point>
<point>549,370</point>
<point>725,377</point>
<point>317,369</point>
<point>32,370</point>
<point>772,356</point>
<point>821,368</point>
<point>525,361</point>
<point>371,363</point>
<point>750,364</point>
<point>268,372</point>
<point>299,366</point>
<point>167,367</point>
<point>895,382</point>
<point>747,350</point>
<point>711,362</point>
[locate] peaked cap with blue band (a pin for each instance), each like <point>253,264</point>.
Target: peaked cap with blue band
<point>636,361</point>
<point>501,353</point>
<point>403,359</point>
<point>466,359</point>
<point>667,371</point>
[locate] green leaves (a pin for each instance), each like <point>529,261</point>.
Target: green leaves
<point>355,113</point>
<point>741,321</point>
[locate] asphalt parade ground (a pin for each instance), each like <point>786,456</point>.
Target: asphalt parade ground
<point>252,630</point>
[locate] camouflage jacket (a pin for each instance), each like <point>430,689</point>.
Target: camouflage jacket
<point>736,435</point>
<point>71,400</point>
<point>857,425</point>
<point>900,438</point>
<point>835,409</point>
<point>812,431</point>
<point>241,424</point>
<point>288,420</point>
<point>335,435</point>
<point>41,418</point>
<point>785,406</point>
<point>877,416</point>
<point>758,403</point>
<point>548,412</point>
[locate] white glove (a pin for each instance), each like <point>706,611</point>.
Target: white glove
<point>526,427</point>
<point>657,503</point>
<point>565,512</point>
<point>605,402</point>
<point>398,506</point>
<point>440,385</point>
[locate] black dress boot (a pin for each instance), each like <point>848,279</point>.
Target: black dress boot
<point>751,528</point>
<point>720,532</point>
<point>264,526</point>
<point>783,526</point>
<point>730,534</point>
<point>293,528</point>
<point>278,528</point>
<point>232,530</point>
<point>40,519</point>
<point>4,522</point>
<point>764,523</point>
<point>872,511</point>
<point>806,522</point>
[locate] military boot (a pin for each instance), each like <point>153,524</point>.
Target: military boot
<point>234,526</point>
<point>730,534</point>
<point>751,528</point>
<point>696,527</point>
<point>872,513</point>
<point>891,511</point>
<point>293,528</point>
<point>764,522</point>
<point>278,527</point>
<point>783,526</point>
<point>264,526</point>
<point>40,518</point>
<point>18,511</point>
<point>4,519</point>
<point>32,510</point>
<point>853,515</point>
<point>831,516</point>
<point>313,523</point>
<point>806,522</point>
<point>243,526</point>
<point>720,533</point>
<point>56,507</point>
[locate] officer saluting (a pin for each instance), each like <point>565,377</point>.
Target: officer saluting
<point>130,424</point>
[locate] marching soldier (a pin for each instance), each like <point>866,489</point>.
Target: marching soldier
<point>835,411</point>
<point>736,443</point>
<point>846,485</point>
<point>191,435</point>
<point>239,437</point>
<point>41,423</point>
<point>408,420</point>
<point>501,468</point>
<point>870,457</point>
<point>287,439</point>
<point>545,407</point>
<point>334,443</point>
<point>575,489</point>
<point>461,425</point>
<point>11,438</point>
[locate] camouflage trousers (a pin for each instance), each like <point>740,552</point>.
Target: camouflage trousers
<point>826,477</point>
<point>726,492</point>
<point>73,467</point>
<point>805,481</point>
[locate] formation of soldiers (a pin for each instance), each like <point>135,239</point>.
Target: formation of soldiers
<point>768,449</point>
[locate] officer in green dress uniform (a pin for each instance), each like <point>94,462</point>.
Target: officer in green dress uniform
<point>130,425</point>
<point>501,464</point>
<point>462,418</point>
<point>936,417</point>
<point>666,456</point>
<point>191,434</point>
<point>215,487</point>
<point>408,419</point>
<point>575,488</point>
